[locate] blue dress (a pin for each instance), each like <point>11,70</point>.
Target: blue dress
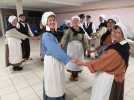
<point>54,60</point>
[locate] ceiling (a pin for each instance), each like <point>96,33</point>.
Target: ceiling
<point>44,4</point>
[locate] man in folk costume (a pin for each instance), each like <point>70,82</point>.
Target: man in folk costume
<point>89,25</point>
<point>89,28</point>
<point>24,28</point>
<point>103,22</point>
<point>76,45</point>
<point>82,18</point>
<point>13,38</point>
<point>111,65</point>
<point>54,60</point>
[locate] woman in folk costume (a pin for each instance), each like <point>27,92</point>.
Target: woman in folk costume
<point>122,25</point>
<point>76,45</point>
<point>13,38</point>
<point>54,60</point>
<point>103,39</point>
<point>112,66</point>
<point>106,37</point>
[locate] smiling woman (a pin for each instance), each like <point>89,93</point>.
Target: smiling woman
<point>54,60</point>
<point>111,67</point>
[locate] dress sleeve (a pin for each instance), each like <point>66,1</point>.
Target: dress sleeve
<point>110,62</point>
<point>29,31</point>
<point>16,34</point>
<point>65,37</point>
<point>54,49</point>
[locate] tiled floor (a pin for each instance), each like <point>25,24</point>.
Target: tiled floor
<point>27,84</point>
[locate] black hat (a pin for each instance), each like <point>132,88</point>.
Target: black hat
<point>88,16</point>
<point>81,15</point>
<point>21,15</point>
<point>113,21</point>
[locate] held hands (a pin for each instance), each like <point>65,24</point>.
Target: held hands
<point>77,61</point>
<point>35,38</point>
<point>61,45</point>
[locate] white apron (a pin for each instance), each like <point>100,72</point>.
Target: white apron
<point>102,86</point>
<point>15,51</point>
<point>53,77</point>
<point>75,50</point>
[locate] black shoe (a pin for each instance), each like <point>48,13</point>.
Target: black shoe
<point>42,59</point>
<point>64,96</point>
<point>17,68</point>
<point>8,64</point>
<point>28,58</point>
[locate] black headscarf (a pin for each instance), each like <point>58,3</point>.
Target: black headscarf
<point>77,31</point>
<point>58,34</point>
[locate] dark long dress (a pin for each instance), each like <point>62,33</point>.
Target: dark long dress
<point>117,91</point>
<point>113,61</point>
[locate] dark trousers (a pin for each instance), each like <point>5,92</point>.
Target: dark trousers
<point>75,74</point>
<point>54,98</point>
<point>6,55</point>
<point>25,48</point>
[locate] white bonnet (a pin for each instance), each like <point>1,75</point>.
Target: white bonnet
<point>103,16</point>
<point>45,17</point>
<point>11,18</point>
<point>75,17</point>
